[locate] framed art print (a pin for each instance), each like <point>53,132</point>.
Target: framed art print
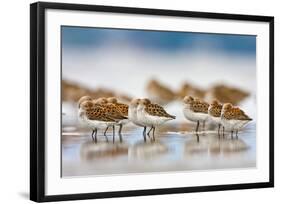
<point>136,101</point>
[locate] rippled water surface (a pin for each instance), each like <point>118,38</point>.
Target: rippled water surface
<point>177,148</point>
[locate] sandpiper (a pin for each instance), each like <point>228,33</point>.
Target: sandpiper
<point>95,117</point>
<point>111,110</point>
<point>152,115</point>
<point>123,109</point>
<point>233,118</point>
<point>133,117</point>
<point>214,112</point>
<point>195,110</point>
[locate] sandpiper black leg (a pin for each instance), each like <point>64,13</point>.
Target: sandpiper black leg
<point>148,134</point>
<point>236,134</point>
<point>197,137</point>
<point>153,131</point>
<point>144,134</point>
<point>223,131</point>
<point>106,138</point>
<point>120,132</point>
<point>219,130</point>
<point>105,131</point>
<point>113,133</point>
<point>197,126</point>
<point>231,134</point>
<point>96,132</point>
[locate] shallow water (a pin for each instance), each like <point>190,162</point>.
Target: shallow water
<point>177,148</point>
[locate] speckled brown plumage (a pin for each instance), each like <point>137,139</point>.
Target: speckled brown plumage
<point>199,106</point>
<point>157,110</point>
<point>113,111</point>
<point>97,113</point>
<point>215,109</point>
<point>235,113</point>
<point>123,108</point>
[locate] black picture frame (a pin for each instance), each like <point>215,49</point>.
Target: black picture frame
<point>37,100</point>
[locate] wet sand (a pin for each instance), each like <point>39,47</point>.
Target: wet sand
<point>177,148</point>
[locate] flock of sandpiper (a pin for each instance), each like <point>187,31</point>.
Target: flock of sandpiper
<point>102,113</point>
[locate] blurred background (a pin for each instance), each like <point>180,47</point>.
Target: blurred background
<point>165,67</point>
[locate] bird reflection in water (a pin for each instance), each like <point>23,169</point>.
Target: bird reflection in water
<point>233,145</point>
<point>147,150</point>
<point>197,145</point>
<point>214,145</point>
<point>102,150</point>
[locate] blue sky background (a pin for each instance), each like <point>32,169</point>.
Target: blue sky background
<point>83,37</point>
